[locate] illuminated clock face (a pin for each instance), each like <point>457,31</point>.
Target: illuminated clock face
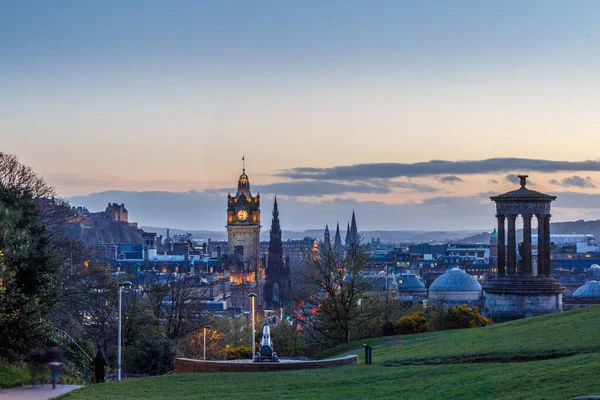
<point>242,215</point>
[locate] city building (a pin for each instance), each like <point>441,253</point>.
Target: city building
<point>243,261</point>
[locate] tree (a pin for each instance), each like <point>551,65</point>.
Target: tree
<point>334,298</point>
<point>99,305</point>
<point>178,303</point>
<point>28,273</point>
<point>20,180</point>
<point>287,341</point>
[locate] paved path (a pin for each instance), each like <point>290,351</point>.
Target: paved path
<point>40,392</point>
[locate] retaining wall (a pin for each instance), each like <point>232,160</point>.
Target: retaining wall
<point>185,365</point>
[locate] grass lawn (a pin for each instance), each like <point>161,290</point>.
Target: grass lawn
<point>573,336</point>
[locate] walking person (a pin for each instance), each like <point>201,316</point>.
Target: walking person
<point>54,360</point>
<point>99,367</point>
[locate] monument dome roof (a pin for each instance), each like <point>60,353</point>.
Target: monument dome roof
<point>523,194</point>
<point>409,283</point>
<point>590,290</point>
<point>455,280</point>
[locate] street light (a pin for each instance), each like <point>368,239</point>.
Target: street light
<point>205,328</point>
<point>252,297</point>
<point>122,285</point>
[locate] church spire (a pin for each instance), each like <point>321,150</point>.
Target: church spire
<point>337,244</point>
<point>352,233</point>
<point>327,239</point>
<point>347,238</point>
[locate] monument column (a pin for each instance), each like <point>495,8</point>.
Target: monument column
<point>547,245</point>
<point>501,245</point>
<point>541,246</point>
<point>512,245</point>
<point>527,267</point>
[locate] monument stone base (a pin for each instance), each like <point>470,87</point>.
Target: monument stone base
<point>513,297</point>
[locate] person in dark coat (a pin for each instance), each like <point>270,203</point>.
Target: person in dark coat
<point>99,367</point>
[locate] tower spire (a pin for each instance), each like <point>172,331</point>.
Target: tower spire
<point>275,210</point>
<point>337,246</point>
<point>327,239</point>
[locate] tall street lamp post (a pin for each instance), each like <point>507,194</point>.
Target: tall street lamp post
<point>205,328</point>
<point>122,285</point>
<point>252,297</point>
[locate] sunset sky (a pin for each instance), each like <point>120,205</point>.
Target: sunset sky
<point>157,101</point>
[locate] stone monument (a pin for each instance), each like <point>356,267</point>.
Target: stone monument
<point>522,289</point>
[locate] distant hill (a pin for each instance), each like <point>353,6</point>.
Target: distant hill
<point>483,237</point>
<point>573,227</point>
<point>576,227</point>
<point>97,230</point>
<point>385,236</point>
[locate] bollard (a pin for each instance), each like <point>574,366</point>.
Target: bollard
<point>368,350</point>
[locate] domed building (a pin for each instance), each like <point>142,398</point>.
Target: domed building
<point>590,290</point>
<point>587,295</point>
<point>384,282</point>
<point>455,286</point>
<point>411,287</point>
<point>593,273</point>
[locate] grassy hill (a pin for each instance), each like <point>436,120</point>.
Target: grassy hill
<point>555,356</point>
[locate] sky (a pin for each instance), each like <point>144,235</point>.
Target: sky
<point>410,113</point>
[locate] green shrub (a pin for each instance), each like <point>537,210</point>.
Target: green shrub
<point>462,317</point>
<point>412,323</point>
<point>239,353</point>
<point>388,329</point>
<point>153,356</point>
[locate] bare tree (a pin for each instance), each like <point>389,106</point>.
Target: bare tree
<point>176,302</point>
<point>333,298</point>
<point>21,179</point>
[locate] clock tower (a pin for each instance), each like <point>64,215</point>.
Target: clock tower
<point>243,224</point>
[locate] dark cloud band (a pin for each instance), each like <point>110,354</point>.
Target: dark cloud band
<point>438,167</point>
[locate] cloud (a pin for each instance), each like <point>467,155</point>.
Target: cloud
<point>437,167</point>
<point>320,188</point>
<point>451,179</point>
<point>577,200</point>
<point>316,188</point>
<point>514,178</point>
<point>575,181</point>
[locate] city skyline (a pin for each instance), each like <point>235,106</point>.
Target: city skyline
<point>336,106</point>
